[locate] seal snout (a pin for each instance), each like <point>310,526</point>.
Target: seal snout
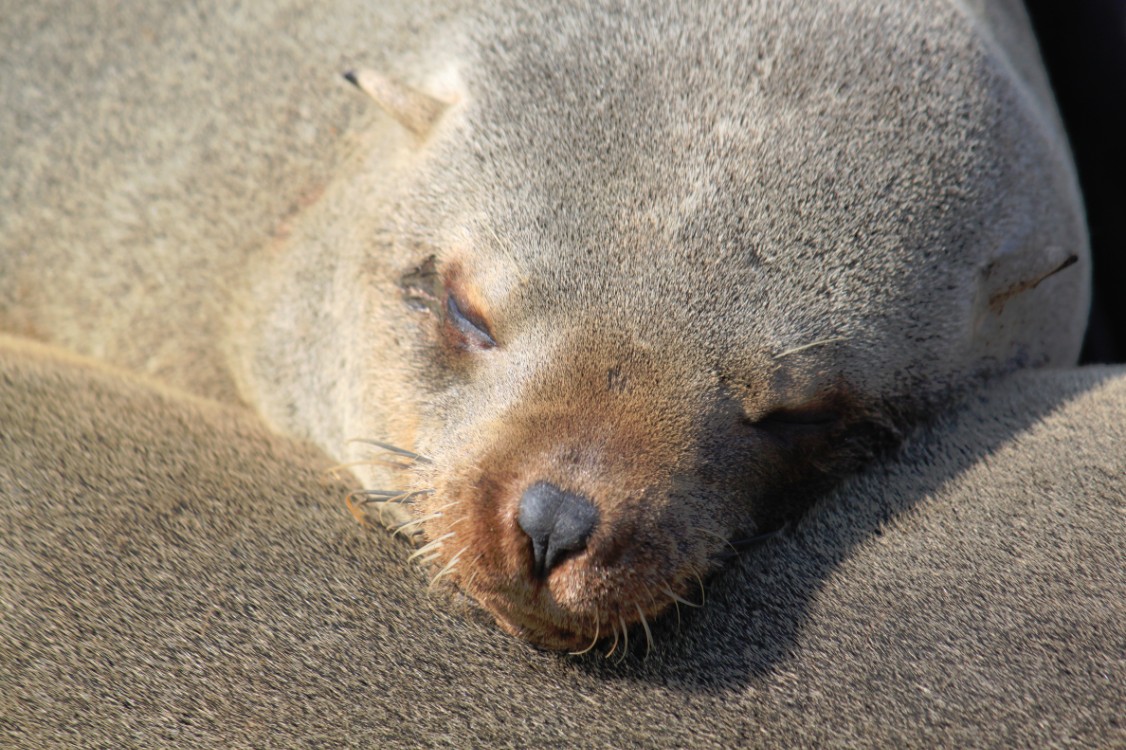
<point>558,523</point>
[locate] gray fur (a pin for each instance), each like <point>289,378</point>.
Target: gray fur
<point>655,208</point>
<point>893,154</point>
<point>173,575</point>
<point>666,197</point>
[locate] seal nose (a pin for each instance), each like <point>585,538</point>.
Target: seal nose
<point>558,522</point>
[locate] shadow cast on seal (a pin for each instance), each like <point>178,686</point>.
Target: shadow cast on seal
<point>758,608</point>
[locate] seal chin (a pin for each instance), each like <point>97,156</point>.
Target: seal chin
<point>542,634</point>
<point>547,634</point>
<point>572,617</point>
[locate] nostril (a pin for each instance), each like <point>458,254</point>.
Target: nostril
<point>557,522</point>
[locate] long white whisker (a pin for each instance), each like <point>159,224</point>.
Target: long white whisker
<point>810,345</point>
<point>597,630</point>
<point>648,632</point>
<point>392,449</point>
<point>625,640</point>
<point>680,600</point>
<point>430,546</point>
<point>615,645</point>
<point>450,567</point>
<point>413,525</point>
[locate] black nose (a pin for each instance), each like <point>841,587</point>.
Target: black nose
<point>558,522</point>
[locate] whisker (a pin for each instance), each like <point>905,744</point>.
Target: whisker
<point>393,449</point>
<point>437,511</point>
<point>450,567</point>
<point>388,496</point>
<point>703,596</point>
<point>444,571</point>
<point>648,632</point>
<point>375,493</point>
<point>810,345</point>
<point>467,584</point>
<point>597,630</point>
<point>408,529</point>
<point>358,514</point>
<point>425,550</point>
<point>716,535</point>
<point>759,538</point>
<point>676,600</point>
<point>381,498</point>
<point>681,600</point>
<point>430,546</point>
<point>614,647</point>
<point>388,462</point>
<point>414,525</point>
<point>625,639</point>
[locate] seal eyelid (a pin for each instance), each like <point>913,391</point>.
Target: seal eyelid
<point>798,423</point>
<point>473,333</point>
<point>800,417</point>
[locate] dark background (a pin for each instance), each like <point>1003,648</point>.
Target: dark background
<point>1083,43</point>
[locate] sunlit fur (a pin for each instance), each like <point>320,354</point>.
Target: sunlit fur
<point>705,258</point>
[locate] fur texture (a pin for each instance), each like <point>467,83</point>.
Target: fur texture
<point>174,575</point>
<point>601,268</point>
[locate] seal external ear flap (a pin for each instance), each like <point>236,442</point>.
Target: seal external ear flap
<point>415,111</point>
<point>1016,273</point>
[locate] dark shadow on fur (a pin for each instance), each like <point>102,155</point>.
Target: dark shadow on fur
<point>757,608</point>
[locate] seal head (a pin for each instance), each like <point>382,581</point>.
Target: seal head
<point>658,275</point>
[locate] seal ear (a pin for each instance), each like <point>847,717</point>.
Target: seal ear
<point>415,111</point>
<point>1009,292</point>
<point>1013,274</point>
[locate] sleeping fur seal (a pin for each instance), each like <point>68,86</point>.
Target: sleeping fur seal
<point>621,284</point>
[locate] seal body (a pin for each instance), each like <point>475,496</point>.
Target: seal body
<point>643,282</point>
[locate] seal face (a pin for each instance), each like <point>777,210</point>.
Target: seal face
<point>663,297</point>
<point>588,476</point>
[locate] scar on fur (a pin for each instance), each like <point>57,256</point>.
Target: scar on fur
<point>414,110</point>
<point>997,301</point>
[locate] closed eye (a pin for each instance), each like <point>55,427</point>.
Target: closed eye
<point>470,332</point>
<point>796,425</point>
<point>799,418</point>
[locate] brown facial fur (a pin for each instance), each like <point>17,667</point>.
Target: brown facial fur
<point>668,455</point>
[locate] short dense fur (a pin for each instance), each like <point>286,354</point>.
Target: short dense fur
<point>651,209</point>
<point>173,575</point>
